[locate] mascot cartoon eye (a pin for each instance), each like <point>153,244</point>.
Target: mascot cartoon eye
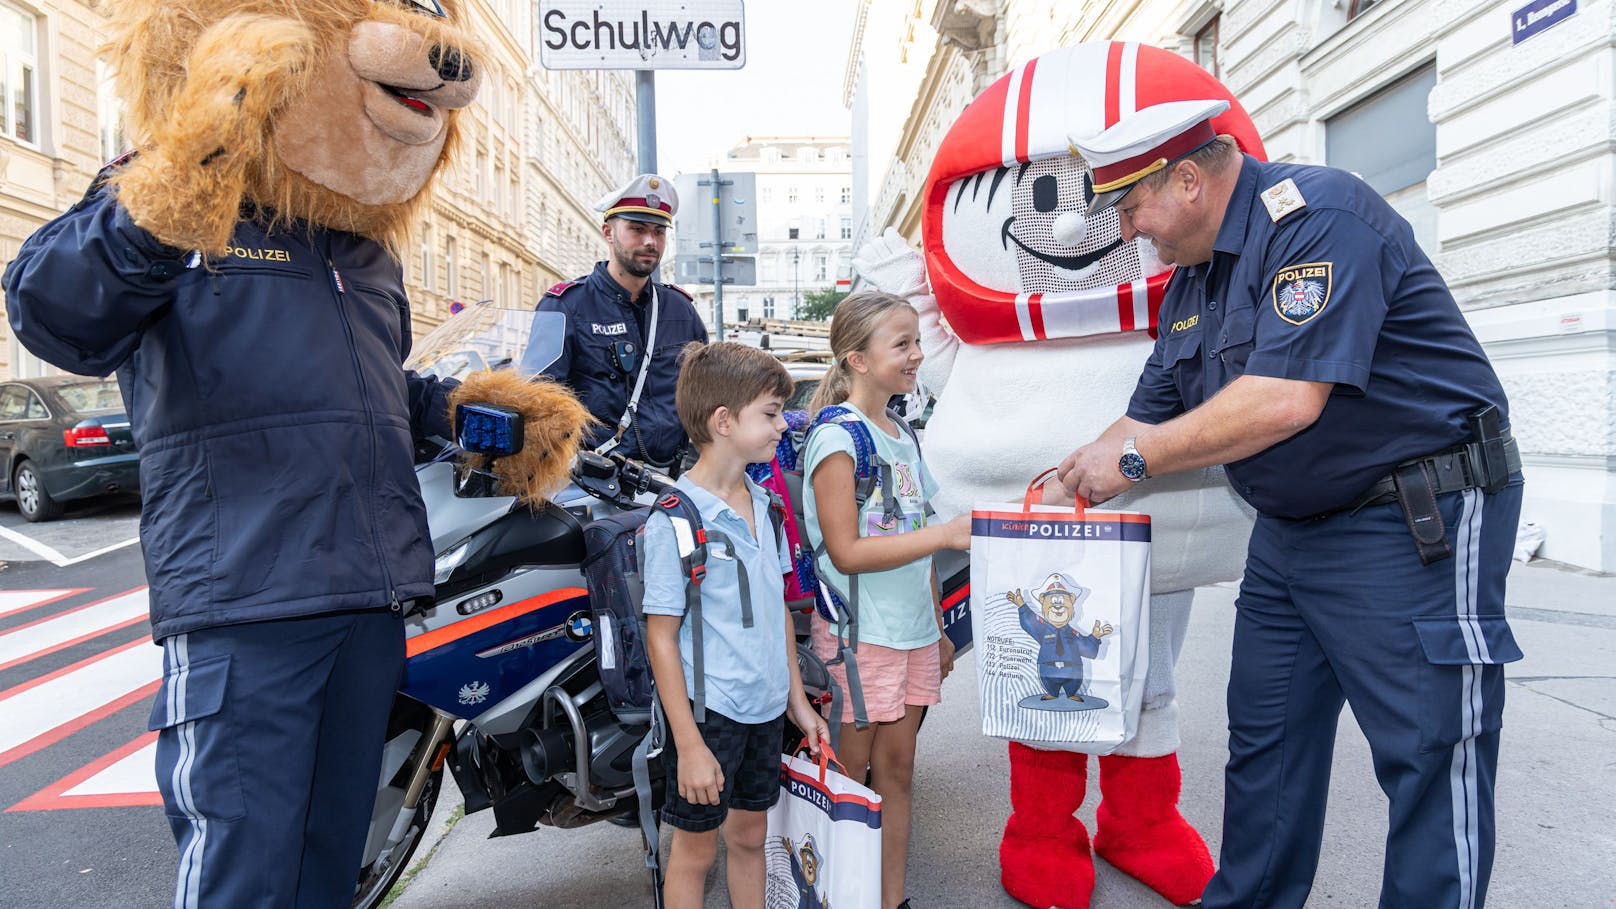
<point>1045,193</point>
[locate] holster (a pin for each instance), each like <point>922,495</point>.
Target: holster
<point>1416,492</point>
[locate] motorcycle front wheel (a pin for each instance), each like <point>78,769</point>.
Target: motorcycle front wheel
<point>376,879</point>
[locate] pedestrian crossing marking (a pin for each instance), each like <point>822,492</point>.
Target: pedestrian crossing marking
<point>41,712</point>
<point>15,601</point>
<point>123,778</point>
<point>73,626</point>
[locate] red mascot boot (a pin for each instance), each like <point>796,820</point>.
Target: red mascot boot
<point>1139,829</point>
<point>1044,857</point>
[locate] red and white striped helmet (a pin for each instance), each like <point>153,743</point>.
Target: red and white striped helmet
<point>1010,252</point>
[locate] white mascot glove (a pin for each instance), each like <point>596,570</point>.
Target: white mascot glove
<point>893,266</point>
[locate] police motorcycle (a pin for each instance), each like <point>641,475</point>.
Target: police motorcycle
<point>502,687</point>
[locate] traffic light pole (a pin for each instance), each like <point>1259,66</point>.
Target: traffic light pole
<point>645,115</point>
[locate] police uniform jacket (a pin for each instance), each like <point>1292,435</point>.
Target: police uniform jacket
<point>266,394</point>
<point>600,314</point>
<point>1322,283</point>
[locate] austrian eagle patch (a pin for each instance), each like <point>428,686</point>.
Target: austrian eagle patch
<point>1301,291</point>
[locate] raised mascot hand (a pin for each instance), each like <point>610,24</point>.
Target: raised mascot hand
<point>187,184</point>
<point>892,265</point>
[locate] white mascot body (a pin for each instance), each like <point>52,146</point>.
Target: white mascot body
<point>1036,320</point>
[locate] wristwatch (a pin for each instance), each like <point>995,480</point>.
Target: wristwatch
<point>1132,463</point>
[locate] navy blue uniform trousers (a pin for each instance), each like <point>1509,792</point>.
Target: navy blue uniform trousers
<point>269,753</point>
<point>1340,609</point>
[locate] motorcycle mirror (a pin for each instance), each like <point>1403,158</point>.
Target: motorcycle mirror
<point>488,429</point>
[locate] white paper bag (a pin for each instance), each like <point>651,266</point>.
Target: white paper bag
<point>824,843</point>
<point>1060,608</point>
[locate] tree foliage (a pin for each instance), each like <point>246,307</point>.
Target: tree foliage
<point>817,305</point>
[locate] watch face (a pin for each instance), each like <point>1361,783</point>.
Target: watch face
<point>1132,465</point>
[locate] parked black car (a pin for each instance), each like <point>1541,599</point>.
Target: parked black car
<point>64,438</point>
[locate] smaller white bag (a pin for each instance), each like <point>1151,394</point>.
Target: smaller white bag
<point>1060,612</point>
<point>823,848</point>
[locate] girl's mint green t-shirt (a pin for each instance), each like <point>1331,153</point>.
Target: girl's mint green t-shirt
<point>896,608</point>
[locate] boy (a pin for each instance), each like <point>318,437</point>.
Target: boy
<point>725,772</point>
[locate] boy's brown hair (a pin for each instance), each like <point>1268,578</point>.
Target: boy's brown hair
<point>724,374</point>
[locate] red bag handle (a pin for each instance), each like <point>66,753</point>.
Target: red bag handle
<point>825,759</point>
<point>1037,482</point>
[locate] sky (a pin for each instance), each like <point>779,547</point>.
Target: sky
<point>796,58</point>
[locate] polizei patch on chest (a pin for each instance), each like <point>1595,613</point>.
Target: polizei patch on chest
<point>1301,291</point>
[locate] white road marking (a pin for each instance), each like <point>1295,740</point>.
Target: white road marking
<point>56,558</point>
<point>17,600</point>
<point>134,773</point>
<point>68,700</point>
<point>48,635</point>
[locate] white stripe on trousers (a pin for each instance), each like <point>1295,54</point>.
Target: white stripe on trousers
<point>188,889</point>
<point>1462,774</point>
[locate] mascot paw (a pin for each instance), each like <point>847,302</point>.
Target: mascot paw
<point>1048,872</point>
<point>892,265</point>
<point>553,425</point>
<point>186,187</point>
<point>1141,833</point>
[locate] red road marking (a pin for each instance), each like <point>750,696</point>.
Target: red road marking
<point>62,731</point>
<point>60,595</point>
<point>78,640</point>
<point>55,798</point>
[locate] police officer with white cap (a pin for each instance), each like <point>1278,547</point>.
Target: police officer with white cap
<point>1309,344</point>
<point>625,331</point>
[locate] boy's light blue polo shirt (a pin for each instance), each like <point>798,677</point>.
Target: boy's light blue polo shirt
<point>746,673</point>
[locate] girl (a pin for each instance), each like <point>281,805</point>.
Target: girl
<point>902,652</point>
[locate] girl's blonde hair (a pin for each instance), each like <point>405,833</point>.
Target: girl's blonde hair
<point>851,327</point>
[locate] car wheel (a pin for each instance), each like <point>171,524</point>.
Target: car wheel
<point>33,499</point>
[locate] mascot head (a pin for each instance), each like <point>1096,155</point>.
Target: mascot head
<point>336,113</point>
<point>1010,250</point>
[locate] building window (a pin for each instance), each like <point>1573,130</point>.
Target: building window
<point>807,155</point>
<point>768,306</point>
<point>18,65</point>
<point>791,194</point>
<point>767,194</point>
<point>1360,6</point>
<point>109,114</point>
<point>479,178</point>
<point>819,229</point>
<point>1206,46</point>
<point>847,195</point>
<point>791,233</point>
<point>847,229</point>
<point>819,194</point>
<point>426,257</point>
<point>821,268</point>
<point>1388,139</point>
<point>449,284</point>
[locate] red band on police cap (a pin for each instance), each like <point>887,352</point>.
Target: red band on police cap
<point>1121,173</point>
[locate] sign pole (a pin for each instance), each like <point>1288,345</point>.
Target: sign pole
<point>645,114</point>
<point>718,259</point>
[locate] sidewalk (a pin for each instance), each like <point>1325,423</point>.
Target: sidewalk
<point>1556,787</point>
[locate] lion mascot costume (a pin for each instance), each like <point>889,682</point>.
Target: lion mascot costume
<point>1036,320</point>
<point>239,271</point>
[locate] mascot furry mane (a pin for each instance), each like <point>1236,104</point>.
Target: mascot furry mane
<point>334,114</point>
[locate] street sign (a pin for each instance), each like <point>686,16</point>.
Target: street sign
<point>693,223</point>
<point>1537,16</point>
<point>642,34</point>
<point>739,270</point>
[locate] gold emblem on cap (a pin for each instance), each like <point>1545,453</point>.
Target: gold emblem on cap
<point>654,182</point>
<point>1282,198</point>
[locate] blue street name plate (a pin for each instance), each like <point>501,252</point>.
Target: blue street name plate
<point>1539,15</point>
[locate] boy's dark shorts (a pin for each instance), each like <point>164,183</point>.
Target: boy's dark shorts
<point>749,755</point>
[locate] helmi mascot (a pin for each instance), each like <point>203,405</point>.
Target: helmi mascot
<point>239,274</point>
<point>1035,321</point>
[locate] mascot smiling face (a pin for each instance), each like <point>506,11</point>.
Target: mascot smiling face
<point>1009,250</point>
<point>331,112</point>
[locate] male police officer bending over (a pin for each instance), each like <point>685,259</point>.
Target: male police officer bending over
<point>1310,345</point>
<point>625,331</point>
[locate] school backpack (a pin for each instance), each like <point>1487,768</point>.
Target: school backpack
<point>783,477</point>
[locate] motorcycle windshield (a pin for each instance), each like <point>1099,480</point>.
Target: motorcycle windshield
<point>488,336</point>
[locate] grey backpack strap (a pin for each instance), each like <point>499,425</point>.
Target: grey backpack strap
<point>718,536</point>
<point>847,655</point>
<point>649,747</point>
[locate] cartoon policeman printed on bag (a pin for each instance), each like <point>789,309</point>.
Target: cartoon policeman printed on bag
<point>806,863</point>
<point>1061,647</point>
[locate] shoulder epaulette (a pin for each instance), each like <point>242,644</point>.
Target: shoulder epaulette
<point>688,295</point>
<point>559,289</point>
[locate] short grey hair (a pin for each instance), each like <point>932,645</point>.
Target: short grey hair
<point>1213,158</point>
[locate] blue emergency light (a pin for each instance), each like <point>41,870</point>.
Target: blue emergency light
<point>488,429</point>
